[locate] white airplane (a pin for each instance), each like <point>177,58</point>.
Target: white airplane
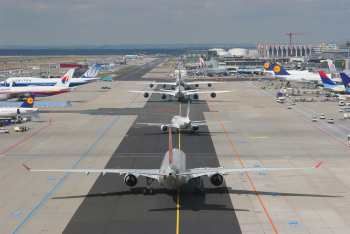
<point>62,86</point>
<point>179,122</point>
<point>180,93</point>
<point>182,82</point>
<point>26,109</point>
<point>172,173</point>
<point>89,76</point>
<point>278,71</point>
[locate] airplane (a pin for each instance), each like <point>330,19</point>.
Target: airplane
<point>25,109</point>
<point>62,86</point>
<point>278,71</point>
<point>180,93</point>
<point>89,76</point>
<point>183,83</point>
<point>179,122</point>
<point>329,84</point>
<point>172,173</point>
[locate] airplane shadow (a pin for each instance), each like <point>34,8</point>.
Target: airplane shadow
<point>195,201</point>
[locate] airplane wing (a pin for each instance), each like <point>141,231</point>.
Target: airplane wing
<point>202,82</point>
<point>169,92</point>
<point>148,173</point>
<point>158,125</point>
<point>190,92</point>
<point>164,83</point>
<point>208,171</point>
<point>199,122</point>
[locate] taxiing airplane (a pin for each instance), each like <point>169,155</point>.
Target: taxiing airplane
<point>89,76</point>
<point>62,86</point>
<point>172,173</point>
<point>26,109</point>
<point>179,122</point>
<point>329,84</point>
<point>183,83</point>
<point>180,93</point>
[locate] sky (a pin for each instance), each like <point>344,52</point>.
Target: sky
<point>116,22</point>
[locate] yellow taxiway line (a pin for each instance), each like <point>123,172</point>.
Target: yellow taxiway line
<point>178,191</point>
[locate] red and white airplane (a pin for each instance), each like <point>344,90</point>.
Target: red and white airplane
<point>62,86</point>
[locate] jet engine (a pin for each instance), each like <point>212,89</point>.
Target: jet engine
<point>164,128</point>
<point>146,95</point>
<point>3,97</point>
<point>151,85</point>
<point>209,84</point>
<point>216,179</point>
<point>195,97</point>
<point>213,95</point>
<point>163,96</point>
<point>196,85</point>
<point>130,180</point>
<point>194,128</point>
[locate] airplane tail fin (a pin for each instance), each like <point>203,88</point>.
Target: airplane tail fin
<point>28,103</point>
<point>279,70</point>
<point>188,109</point>
<point>325,79</point>
<point>170,152</point>
<point>345,78</point>
<point>331,66</point>
<point>92,72</point>
<point>268,66</point>
<point>66,79</point>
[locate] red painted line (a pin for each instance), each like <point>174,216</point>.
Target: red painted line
<point>24,139</point>
<point>252,185</point>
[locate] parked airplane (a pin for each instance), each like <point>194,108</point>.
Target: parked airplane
<point>179,122</point>
<point>292,75</point>
<point>172,172</point>
<point>183,83</point>
<point>62,86</point>
<point>26,109</point>
<point>180,93</point>
<point>329,84</point>
<point>89,76</point>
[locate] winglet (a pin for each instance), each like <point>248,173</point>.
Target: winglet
<point>318,165</point>
<point>26,167</point>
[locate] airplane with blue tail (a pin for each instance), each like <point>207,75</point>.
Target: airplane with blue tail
<point>280,72</point>
<point>89,76</point>
<point>25,109</point>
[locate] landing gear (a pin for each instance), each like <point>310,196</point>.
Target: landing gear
<point>148,189</point>
<point>198,186</point>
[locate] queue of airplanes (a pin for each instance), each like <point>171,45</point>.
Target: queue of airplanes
<point>173,173</point>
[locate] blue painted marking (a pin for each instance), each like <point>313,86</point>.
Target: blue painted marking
<point>64,177</point>
<point>51,178</point>
<point>293,223</point>
<point>16,214</point>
